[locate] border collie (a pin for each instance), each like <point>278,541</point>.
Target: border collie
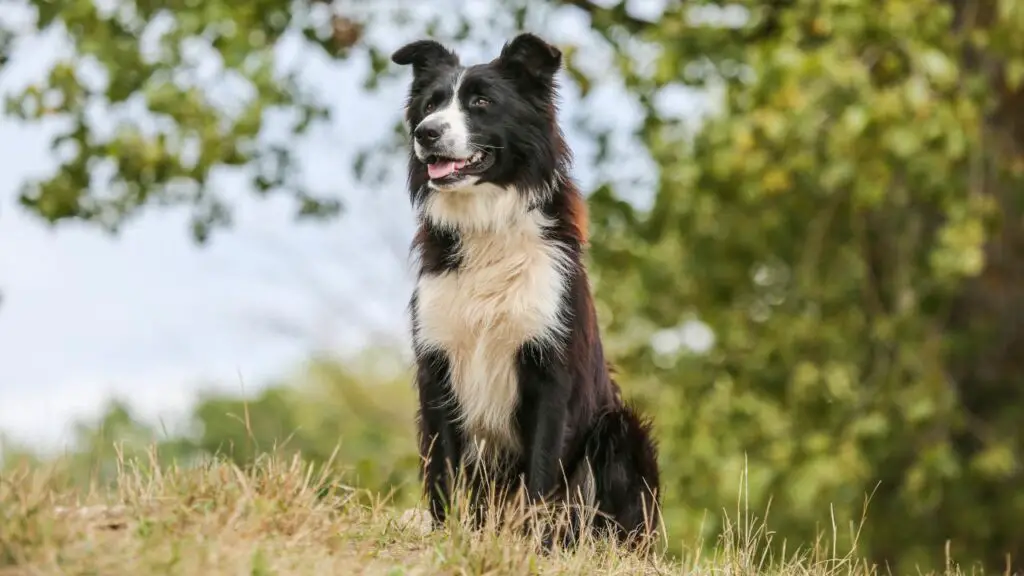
<point>511,373</point>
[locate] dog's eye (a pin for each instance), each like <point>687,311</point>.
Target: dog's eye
<point>429,107</point>
<point>479,102</point>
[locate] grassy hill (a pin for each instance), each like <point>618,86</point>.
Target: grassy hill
<point>284,517</point>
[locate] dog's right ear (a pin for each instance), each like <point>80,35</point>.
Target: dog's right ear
<point>424,55</point>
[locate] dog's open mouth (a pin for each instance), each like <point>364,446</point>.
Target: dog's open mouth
<point>442,169</point>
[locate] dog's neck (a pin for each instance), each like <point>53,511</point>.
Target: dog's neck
<point>480,209</point>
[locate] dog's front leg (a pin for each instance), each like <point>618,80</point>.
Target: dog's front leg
<point>545,389</point>
<point>440,439</point>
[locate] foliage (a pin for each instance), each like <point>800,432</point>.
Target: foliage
<point>848,224</point>
<point>354,415</point>
<point>847,228</point>
<point>163,58</point>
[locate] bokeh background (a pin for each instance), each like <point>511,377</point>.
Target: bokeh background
<point>807,251</point>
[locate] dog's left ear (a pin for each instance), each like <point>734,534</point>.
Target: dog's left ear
<point>528,56</point>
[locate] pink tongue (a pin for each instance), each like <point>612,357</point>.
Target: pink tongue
<point>444,168</point>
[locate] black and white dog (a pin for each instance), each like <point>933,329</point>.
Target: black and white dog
<point>510,368</point>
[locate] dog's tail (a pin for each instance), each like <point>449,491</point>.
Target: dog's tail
<point>624,462</point>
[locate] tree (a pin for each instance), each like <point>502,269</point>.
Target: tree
<point>153,53</point>
<point>848,224</point>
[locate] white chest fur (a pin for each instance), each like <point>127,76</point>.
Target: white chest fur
<point>507,291</point>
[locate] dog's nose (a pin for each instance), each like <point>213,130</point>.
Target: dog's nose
<point>429,132</point>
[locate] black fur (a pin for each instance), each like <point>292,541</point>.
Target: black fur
<point>570,412</point>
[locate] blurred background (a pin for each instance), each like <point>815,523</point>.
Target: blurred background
<point>807,251</point>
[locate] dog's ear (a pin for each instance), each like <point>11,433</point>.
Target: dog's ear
<point>424,55</point>
<point>528,56</point>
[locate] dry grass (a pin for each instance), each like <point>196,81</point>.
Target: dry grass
<point>282,517</point>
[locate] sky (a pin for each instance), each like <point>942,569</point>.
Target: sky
<point>150,318</point>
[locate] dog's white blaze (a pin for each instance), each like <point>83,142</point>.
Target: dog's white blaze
<point>456,137</point>
<point>507,291</point>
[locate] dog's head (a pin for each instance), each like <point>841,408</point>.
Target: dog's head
<point>491,123</point>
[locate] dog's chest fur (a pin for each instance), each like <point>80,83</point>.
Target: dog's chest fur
<point>507,291</point>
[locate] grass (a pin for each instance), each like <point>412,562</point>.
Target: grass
<point>285,517</point>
